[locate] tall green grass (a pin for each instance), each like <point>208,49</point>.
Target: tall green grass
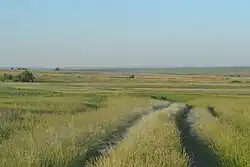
<point>232,148</point>
<point>154,141</point>
<point>235,112</point>
<point>18,113</point>
<point>232,111</point>
<point>66,139</point>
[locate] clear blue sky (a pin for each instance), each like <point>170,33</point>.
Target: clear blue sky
<point>87,33</point>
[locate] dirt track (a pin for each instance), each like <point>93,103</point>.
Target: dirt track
<point>115,138</point>
<point>199,153</point>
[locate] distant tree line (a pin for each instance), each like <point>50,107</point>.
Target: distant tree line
<point>24,76</point>
<point>19,68</point>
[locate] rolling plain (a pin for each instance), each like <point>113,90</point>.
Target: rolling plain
<point>110,119</point>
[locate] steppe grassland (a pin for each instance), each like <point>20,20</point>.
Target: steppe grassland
<point>61,119</point>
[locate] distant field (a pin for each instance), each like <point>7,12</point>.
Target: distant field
<point>105,118</point>
<point>177,70</point>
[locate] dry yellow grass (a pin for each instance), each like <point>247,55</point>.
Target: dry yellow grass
<point>153,142</point>
<point>223,140</point>
<point>63,140</point>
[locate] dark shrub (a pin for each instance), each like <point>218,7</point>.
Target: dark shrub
<point>160,97</point>
<point>236,81</point>
<point>25,76</point>
<point>132,76</point>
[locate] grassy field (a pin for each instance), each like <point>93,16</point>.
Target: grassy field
<point>105,118</point>
<point>154,141</point>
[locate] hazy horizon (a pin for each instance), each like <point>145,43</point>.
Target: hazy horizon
<point>122,34</point>
<point>120,67</point>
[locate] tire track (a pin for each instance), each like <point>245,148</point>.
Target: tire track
<point>212,111</point>
<point>199,153</point>
<point>102,147</point>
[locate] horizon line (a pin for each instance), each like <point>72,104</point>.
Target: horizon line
<point>112,67</point>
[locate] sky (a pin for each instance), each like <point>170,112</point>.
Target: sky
<point>129,33</point>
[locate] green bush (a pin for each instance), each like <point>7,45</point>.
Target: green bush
<point>25,76</point>
<point>7,77</point>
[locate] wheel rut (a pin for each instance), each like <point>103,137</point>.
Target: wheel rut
<point>101,148</point>
<point>198,152</point>
<point>212,111</point>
